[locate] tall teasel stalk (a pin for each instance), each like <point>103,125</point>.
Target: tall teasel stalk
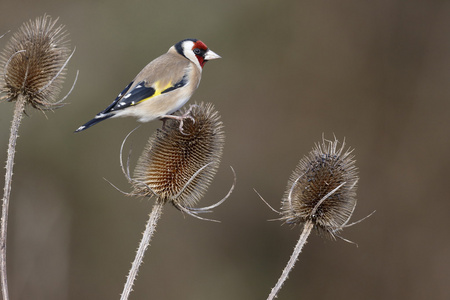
<point>321,194</point>
<point>177,167</point>
<point>33,66</point>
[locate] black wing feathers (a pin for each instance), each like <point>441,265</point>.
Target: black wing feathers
<point>130,97</point>
<point>177,85</point>
<point>93,122</point>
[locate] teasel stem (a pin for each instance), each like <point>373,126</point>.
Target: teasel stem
<point>321,194</point>
<point>177,166</point>
<point>150,228</point>
<point>308,226</point>
<point>18,113</point>
<point>33,69</point>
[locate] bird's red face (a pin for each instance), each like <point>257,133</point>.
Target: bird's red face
<point>196,51</point>
<point>200,50</point>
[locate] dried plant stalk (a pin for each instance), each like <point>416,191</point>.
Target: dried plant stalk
<point>177,167</point>
<point>147,235</point>
<point>7,191</point>
<point>34,64</point>
<point>322,189</point>
<point>321,194</point>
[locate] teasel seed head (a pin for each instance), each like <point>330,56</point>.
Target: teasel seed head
<point>178,166</point>
<point>33,63</point>
<point>322,189</point>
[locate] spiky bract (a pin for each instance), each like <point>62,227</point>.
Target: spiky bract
<point>179,166</point>
<point>33,63</point>
<point>322,188</point>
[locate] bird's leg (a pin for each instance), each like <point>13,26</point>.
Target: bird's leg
<point>186,115</point>
<point>164,123</point>
<point>179,118</point>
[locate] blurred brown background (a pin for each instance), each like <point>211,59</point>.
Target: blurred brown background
<point>374,72</point>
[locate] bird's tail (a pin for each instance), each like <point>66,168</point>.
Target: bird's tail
<point>98,118</point>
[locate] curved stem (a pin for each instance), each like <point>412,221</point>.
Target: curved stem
<point>290,265</point>
<point>145,242</point>
<point>18,113</point>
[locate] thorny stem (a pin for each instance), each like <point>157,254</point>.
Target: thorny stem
<point>18,113</point>
<point>145,242</point>
<point>290,265</point>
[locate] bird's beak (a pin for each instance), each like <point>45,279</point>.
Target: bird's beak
<point>210,55</point>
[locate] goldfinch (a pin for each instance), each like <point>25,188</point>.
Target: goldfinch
<point>162,87</point>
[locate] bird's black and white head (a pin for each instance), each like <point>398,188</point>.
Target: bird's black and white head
<point>196,51</point>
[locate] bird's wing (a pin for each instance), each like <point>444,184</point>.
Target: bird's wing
<point>114,103</point>
<point>161,76</point>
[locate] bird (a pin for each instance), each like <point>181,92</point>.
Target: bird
<point>162,87</point>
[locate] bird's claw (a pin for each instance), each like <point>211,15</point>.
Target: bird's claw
<point>186,115</point>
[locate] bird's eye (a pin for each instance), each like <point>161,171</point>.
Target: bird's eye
<point>197,51</point>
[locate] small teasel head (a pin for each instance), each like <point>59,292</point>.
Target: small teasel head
<point>33,63</point>
<point>322,189</point>
<point>178,166</point>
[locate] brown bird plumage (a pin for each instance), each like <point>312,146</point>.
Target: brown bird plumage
<point>162,87</point>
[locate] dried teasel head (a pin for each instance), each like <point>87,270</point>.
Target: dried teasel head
<point>33,63</point>
<point>178,166</point>
<point>322,189</point>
